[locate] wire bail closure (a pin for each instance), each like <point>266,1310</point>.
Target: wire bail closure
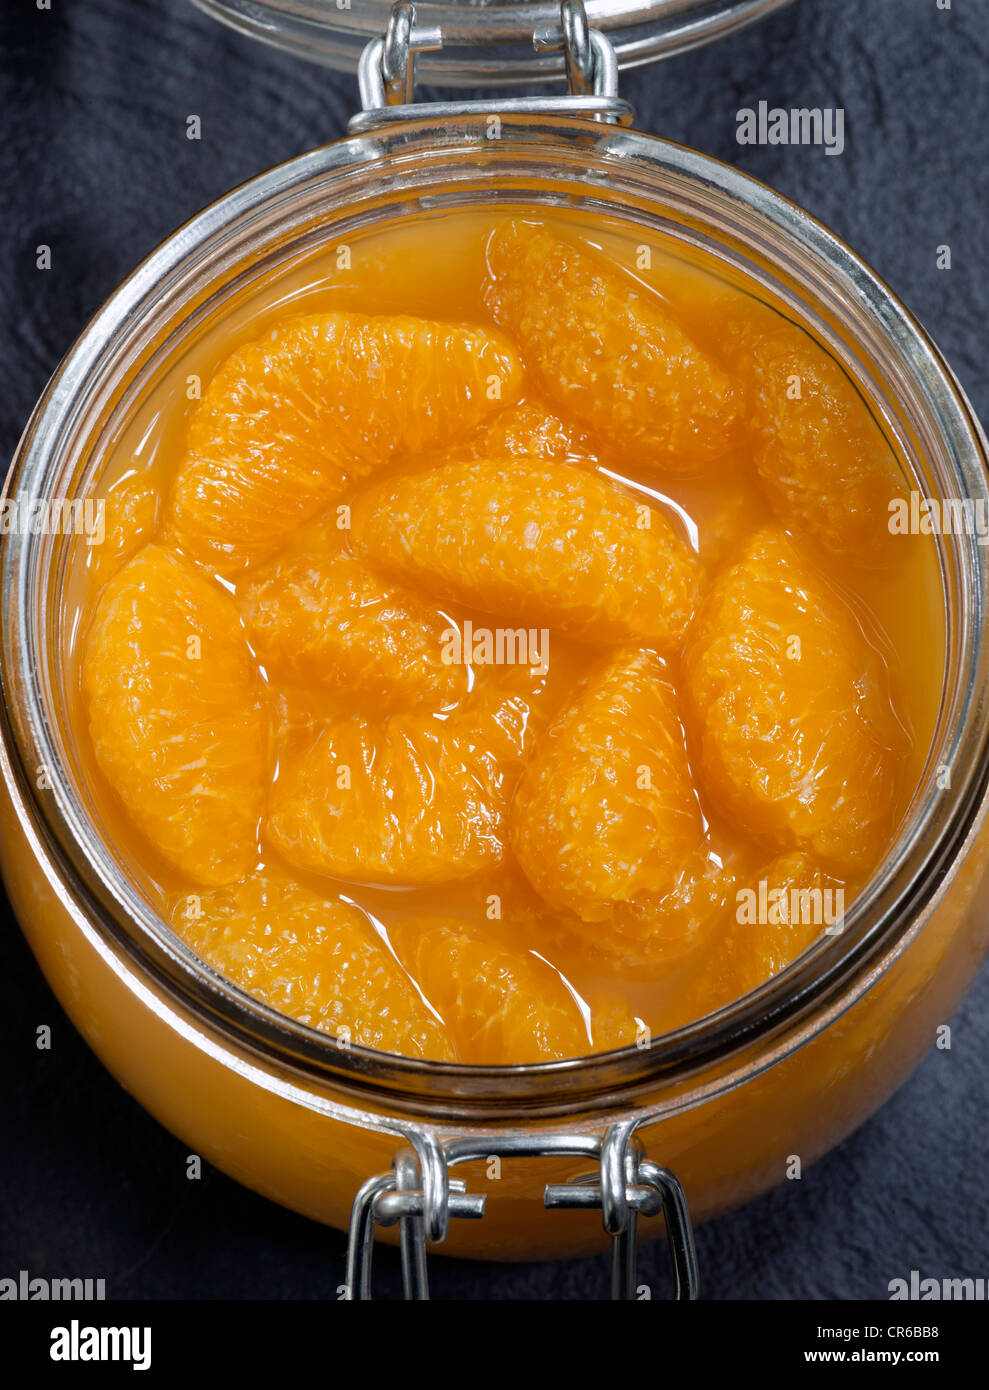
<point>592,67</point>
<point>386,74</point>
<point>419,1196</point>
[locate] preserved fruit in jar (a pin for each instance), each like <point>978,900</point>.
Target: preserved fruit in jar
<point>531,675</point>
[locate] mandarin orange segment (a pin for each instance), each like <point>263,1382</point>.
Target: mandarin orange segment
<point>288,420</point>
<point>652,931</point>
<point>315,959</point>
<point>371,801</point>
<point>606,352</point>
<point>130,513</point>
<point>796,738</point>
<point>176,714</point>
<point>506,711</point>
<point>534,543</point>
<point>785,907</point>
<point>791,904</point>
<point>412,799</point>
<point>824,461</point>
<point>605,808</point>
<point>503,1006</point>
<point>526,430</point>
<point>328,619</point>
<point>643,938</point>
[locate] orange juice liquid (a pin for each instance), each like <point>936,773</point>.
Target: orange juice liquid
<point>435,267</point>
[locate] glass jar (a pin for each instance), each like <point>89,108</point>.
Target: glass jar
<point>716,1110</point>
<point>489,44</point>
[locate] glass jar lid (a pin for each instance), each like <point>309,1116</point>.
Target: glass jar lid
<point>486,42</point>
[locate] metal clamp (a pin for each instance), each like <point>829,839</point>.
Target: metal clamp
<point>387,67</point>
<point>386,74</point>
<point>421,1197</point>
<point>592,67</point>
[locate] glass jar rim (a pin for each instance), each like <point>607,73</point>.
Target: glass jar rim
<point>734,1043</point>
<point>489,43</point>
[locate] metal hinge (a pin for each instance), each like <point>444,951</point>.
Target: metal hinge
<point>421,1197</point>
<point>387,68</point>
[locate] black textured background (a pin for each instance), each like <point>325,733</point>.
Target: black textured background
<point>95,162</point>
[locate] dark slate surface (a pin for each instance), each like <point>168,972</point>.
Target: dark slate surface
<point>95,162</point>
